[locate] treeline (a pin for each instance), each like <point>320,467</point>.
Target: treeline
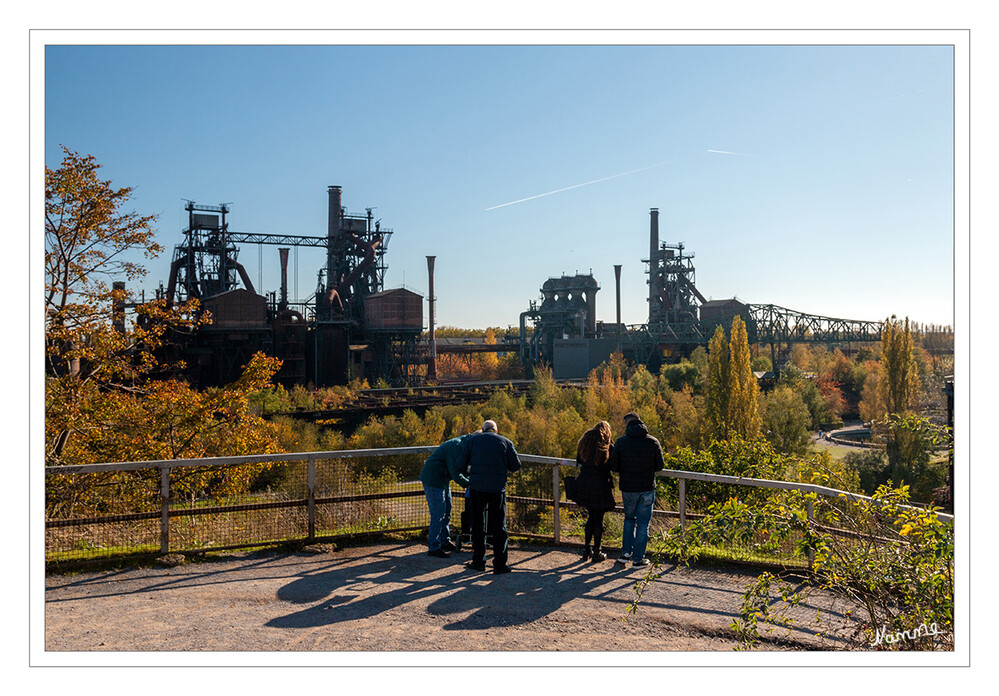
<point>694,405</point>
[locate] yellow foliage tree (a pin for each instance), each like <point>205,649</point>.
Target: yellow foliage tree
<point>105,396</point>
<point>731,394</point>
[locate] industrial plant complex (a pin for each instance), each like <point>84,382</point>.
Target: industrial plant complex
<point>352,326</point>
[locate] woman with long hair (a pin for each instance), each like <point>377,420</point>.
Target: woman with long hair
<point>594,489</point>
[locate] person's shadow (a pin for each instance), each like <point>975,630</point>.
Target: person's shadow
<point>344,592</point>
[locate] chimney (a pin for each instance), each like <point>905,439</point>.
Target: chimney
<point>432,364</point>
<point>335,208</point>
<point>118,306</point>
<point>283,302</point>
<point>336,205</point>
<point>617,294</point>
<point>653,238</point>
<point>653,262</point>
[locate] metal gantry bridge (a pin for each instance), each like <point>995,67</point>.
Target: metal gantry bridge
<point>766,324</point>
<point>775,324</point>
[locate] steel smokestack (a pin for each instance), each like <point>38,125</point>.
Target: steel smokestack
<point>617,295</point>
<point>653,260</point>
<point>653,238</point>
<point>432,365</point>
<point>336,205</point>
<point>335,208</point>
<point>118,306</point>
<point>283,253</point>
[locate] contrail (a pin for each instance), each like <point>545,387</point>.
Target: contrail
<point>575,186</point>
<point>726,152</point>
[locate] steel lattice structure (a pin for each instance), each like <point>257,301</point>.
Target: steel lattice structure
<point>775,324</point>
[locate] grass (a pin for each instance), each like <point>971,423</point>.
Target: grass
<point>710,555</point>
<point>835,451</point>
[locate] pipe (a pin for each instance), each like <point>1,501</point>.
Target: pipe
<point>432,365</point>
<point>118,306</point>
<point>653,238</point>
<point>283,302</point>
<point>654,283</point>
<point>617,293</point>
<point>244,276</point>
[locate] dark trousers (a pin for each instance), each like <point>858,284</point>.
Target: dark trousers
<point>493,506</point>
<point>594,528</point>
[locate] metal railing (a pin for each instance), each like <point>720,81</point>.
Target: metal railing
<point>320,496</point>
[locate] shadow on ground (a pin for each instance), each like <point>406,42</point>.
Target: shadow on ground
<point>474,599</point>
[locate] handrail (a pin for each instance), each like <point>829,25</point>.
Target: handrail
<point>742,481</point>
<point>167,464</point>
<point>230,461</point>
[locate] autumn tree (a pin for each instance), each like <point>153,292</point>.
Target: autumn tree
<point>90,241</point>
<point>898,376</point>
<point>718,387</point>
<point>908,450</point>
<point>106,396</point>
<point>731,392</point>
<point>743,406</point>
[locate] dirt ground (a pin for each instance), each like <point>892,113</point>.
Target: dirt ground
<point>392,596</point>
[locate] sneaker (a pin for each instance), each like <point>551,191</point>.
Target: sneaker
<point>439,553</point>
<point>599,556</point>
<point>475,566</point>
<point>501,570</point>
<point>623,558</point>
<point>642,562</point>
<point>448,546</point>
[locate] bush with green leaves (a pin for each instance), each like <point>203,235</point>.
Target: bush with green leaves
<point>736,457</point>
<point>891,562</point>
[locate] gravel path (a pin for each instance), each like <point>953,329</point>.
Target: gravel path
<point>391,596</point>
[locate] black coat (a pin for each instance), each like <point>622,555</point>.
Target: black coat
<point>636,456</point>
<point>486,458</point>
<point>594,486</point>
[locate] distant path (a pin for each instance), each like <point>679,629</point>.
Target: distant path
<point>392,596</point>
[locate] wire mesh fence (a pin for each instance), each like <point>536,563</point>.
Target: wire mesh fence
<point>108,510</point>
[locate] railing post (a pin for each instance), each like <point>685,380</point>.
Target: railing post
<point>811,519</point>
<point>555,497</point>
<point>312,498</point>
<point>683,502</point>
<point>164,510</point>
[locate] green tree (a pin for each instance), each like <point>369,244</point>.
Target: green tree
<point>683,375</point>
<point>786,420</point>
<point>699,359</point>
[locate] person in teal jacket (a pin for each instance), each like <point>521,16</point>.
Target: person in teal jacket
<point>438,471</point>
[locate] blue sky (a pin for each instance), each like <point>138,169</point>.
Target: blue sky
<point>818,178</point>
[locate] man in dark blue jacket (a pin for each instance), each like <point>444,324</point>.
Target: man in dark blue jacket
<point>636,457</point>
<point>487,457</point>
<point>438,471</point>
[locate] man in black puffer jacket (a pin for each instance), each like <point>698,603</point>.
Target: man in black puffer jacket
<point>636,457</point>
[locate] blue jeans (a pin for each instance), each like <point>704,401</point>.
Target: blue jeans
<point>637,515</point>
<point>439,502</point>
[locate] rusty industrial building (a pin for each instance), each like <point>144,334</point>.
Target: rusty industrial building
<point>354,327</point>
